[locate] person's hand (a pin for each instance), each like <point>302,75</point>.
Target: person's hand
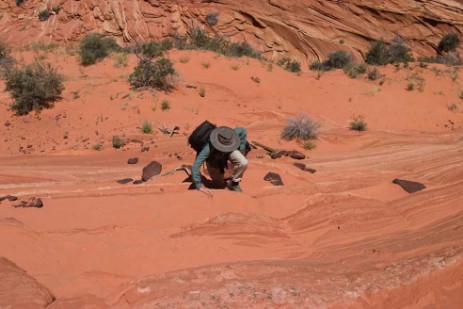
<point>205,191</point>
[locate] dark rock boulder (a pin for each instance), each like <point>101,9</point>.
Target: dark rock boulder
<point>32,202</point>
<point>409,186</point>
<point>274,179</point>
<point>152,169</point>
<point>303,167</point>
<point>133,160</point>
<point>125,181</point>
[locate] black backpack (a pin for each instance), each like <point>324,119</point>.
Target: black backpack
<point>200,136</point>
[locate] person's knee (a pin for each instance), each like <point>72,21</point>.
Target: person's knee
<point>244,162</point>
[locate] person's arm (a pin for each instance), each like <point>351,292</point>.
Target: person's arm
<point>243,137</point>
<point>195,170</point>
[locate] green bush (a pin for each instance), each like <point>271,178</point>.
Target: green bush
<point>381,54</point>
<point>154,49</point>
<point>157,75</point>
<point>378,54</point>
<point>449,42</point>
<point>44,15</point>
<point>373,74</point>
<point>317,66</point>
<point>337,60</point>
<point>147,127</point>
<point>117,142</point>
<point>290,65</point>
<point>353,70</point>
<point>94,48</point>
<point>398,52</point>
<point>165,105</point>
<point>358,123</point>
<point>6,61</point>
<point>200,39</point>
<point>33,87</point>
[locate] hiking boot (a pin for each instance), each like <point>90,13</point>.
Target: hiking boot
<point>234,186</point>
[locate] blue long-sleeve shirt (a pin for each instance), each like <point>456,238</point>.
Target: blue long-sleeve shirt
<point>206,152</point>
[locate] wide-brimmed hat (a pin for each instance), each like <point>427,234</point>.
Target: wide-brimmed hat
<point>225,139</point>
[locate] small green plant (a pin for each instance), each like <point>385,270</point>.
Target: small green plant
<point>358,123</point>
<point>94,48</point>
<point>453,107</point>
<point>147,127</point>
<point>255,79</point>
<point>154,49</point>
<point>235,67</point>
<point>117,142</point>
<point>206,65</point>
<point>97,147</point>
<point>44,15</point>
<point>212,18</point>
<point>373,74</point>
<point>202,91</point>
<point>353,70</point>
<point>184,59</point>
<point>158,75</point>
<point>410,86</point>
<point>337,60</point>
<point>290,65</point>
<point>309,145</point>
<point>301,127</point>
<point>33,87</point>
<point>165,105</point>
<point>449,42</point>
<point>56,9</point>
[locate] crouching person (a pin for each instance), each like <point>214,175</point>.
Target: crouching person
<point>220,145</point>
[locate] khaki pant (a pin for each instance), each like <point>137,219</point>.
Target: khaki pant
<point>239,164</point>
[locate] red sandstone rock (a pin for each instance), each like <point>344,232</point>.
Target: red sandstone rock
<point>18,290</point>
<point>306,29</point>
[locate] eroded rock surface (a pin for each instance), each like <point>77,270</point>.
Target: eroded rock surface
<point>19,290</point>
<point>307,29</point>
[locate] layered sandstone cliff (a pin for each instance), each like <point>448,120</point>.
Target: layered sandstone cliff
<point>306,29</point>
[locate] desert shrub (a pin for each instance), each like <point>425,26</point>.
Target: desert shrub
<point>301,127</point>
<point>358,123</point>
<point>200,39</point>
<point>147,127</point>
<point>94,48</point>
<point>353,70</point>
<point>373,74</point>
<point>44,15</point>
<point>449,42</point>
<point>121,59</point>
<point>6,61</point>
<point>154,49</point>
<point>309,145</point>
<point>97,147</point>
<point>19,2</point>
<point>212,18</point>
<point>410,87</point>
<point>337,60</point>
<point>117,142</point>
<point>157,74</point>
<point>33,87</point>
<point>240,49</point>
<point>452,107</point>
<point>289,65</point>
<point>398,52</point>
<point>317,66</point>
<point>378,54</point>
<point>56,9</point>
<point>165,105</point>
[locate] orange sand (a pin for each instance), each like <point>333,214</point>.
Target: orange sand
<point>344,237</point>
